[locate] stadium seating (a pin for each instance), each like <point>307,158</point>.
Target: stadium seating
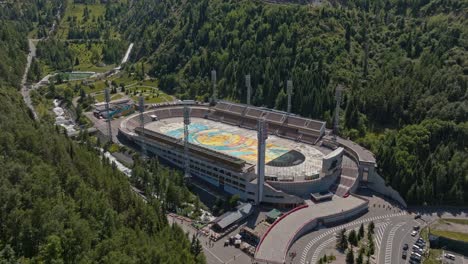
<point>198,112</point>
<point>298,122</point>
<point>308,139</point>
<point>273,117</point>
<point>231,119</point>
<point>315,125</point>
<point>177,111</point>
<point>253,112</point>
<point>237,109</point>
<point>249,123</point>
<point>288,132</point>
<point>279,123</point>
<point>222,106</point>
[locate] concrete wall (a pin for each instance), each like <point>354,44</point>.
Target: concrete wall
<point>330,219</point>
<point>377,184</point>
<point>301,188</point>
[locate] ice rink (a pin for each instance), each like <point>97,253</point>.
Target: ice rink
<point>242,143</point>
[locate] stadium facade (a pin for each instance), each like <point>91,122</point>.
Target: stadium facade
<point>300,158</point>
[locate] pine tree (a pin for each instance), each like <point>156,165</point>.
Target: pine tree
<point>350,256</point>
<point>342,241</point>
<point>359,259</point>
<point>361,232</point>
<point>371,250</point>
<point>371,227</point>
<point>352,238</point>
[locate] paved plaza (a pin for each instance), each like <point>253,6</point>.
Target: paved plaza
<point>276,243</point>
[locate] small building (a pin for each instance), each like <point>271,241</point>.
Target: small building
<point>273,215</point>
<point>231,218</point>
<point>117,108</point>
<point>321,196</point>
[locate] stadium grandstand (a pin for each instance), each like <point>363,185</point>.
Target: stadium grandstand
<point>223,150</point>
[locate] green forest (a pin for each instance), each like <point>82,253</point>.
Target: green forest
<point>62,202</point>
<point>403,63</point>
<point>404,66</point>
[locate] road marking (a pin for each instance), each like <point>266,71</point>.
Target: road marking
<point>378,235</point>
<point>400,247</point>
<point>233,258</point>
<point>319,249</point>
<point>331,231</point>
<point>388,249</point>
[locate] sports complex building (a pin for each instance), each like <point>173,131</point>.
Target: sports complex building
<point>223,146</point>
<point>265,156</point>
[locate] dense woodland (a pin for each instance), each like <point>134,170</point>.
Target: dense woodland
<point>404,65</point>
<point>61,201</point>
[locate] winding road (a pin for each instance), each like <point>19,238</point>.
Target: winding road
<point>24,87</point>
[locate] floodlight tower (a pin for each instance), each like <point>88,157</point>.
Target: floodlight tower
<point>109,118</point>
<point>186,141</point>
<point>262,135</point>
<point>215,89</point>
<point>249,88</point>
<point>289,86</point>
<point>336,121</point>
<point>141,108</point>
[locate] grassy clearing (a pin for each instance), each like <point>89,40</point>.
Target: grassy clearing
<point>456,221</point>
<point>100,97</point>
<point>124,79</point>
<point>451,235</point>
<point>152,95</point>
<point>433,257</point>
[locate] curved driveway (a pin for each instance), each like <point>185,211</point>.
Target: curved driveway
<point>275,244</point>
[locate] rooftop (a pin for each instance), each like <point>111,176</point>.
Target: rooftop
<point>231,217</point>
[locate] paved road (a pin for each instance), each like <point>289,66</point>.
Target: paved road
<point>309,247</point>
<point>24,87</point>
<point>216,253</point>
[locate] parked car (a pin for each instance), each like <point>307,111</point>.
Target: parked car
<point>414,233</point>
<point>419,244</point>
<point>415,258</point>
<point>403,256</point>
<point>405,247</point>
<point>416,228</point>
<point>417,216</point>
<point>449,256</point>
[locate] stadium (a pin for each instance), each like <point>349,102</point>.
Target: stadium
<point>300,157</point>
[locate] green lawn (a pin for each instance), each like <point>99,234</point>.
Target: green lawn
<point>433,257</point>
<point>450,234</point>
<point>456,221</point>
<point>101,85</point>
<point>149,99</point>
<point>100,97</point>
<point>152,95</point>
